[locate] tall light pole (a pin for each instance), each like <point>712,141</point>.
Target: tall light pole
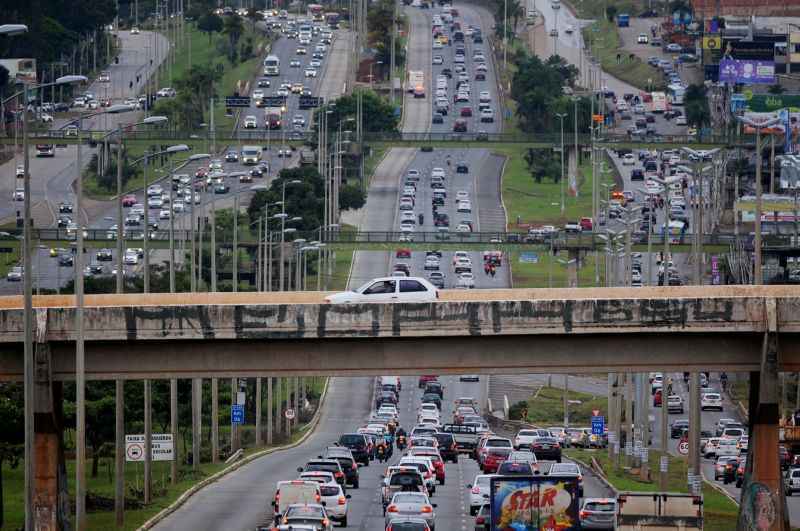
<point>120,234</point>
<point>283,216</point>
<point>758,126</point>
<point>192,158</point>
<point>561,117</point>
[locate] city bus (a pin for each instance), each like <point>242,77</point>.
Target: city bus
<point>332,20</point>
<point>675,94</point>
<point>315,12</point>
<point>272,66</point>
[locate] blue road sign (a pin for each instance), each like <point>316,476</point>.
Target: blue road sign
<point>598,425</point>
<point>237,414</point>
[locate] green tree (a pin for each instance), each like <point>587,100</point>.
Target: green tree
<point>233,28</point>
<point>210,24</point>
<point>696,106</point>
<point>543,163</point>
<point>351,197</point>
<point>198,86</point>
<point>611,12</point>
<point>13,432</point>
<point>304,200</point>
<point>378,112</point>
<point>100,415</point>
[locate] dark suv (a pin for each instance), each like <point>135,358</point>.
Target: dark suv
<point>357,443</point>
<point>434,387</point>
<point>326,465</point>
<point>347,462</point>
<point>447,446</point>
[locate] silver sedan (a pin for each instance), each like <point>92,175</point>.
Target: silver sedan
<point>416,504</point>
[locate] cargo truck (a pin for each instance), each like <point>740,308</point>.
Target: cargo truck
<point>639,511</point>
<point>534,503</point>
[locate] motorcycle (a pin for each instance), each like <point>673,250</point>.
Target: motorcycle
<point>401,442</point>
<point>382,453</point>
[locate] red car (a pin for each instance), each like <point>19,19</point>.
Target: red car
<point>466,111</point>
<point>657,399</point>
<point>493,459</point>
<point>586,223</point>
<point>129,200</point>
<point>436,459</point>
<point>201,172</point>
<point>403,253</point>
<point>424,379</point>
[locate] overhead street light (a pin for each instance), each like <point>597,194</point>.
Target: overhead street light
<point>13,29</point>
<point>758,126</point>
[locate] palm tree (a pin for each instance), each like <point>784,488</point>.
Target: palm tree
<point>233,28</point>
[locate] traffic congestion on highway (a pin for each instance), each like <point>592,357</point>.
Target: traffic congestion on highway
<point>422,459</point>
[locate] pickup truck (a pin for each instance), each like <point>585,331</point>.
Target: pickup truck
<point>658,510</point>
<point>466,436</point>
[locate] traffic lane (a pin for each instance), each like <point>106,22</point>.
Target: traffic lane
<point>454,183</point>
<point>241,499</point>
<point>417,111</point>
<point>474,122</point>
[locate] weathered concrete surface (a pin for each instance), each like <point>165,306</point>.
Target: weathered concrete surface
<point>563,329</point>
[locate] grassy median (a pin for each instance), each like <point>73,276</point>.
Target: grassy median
<point>720,513</point>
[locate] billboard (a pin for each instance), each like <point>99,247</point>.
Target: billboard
<point>534,503</point>
<point>747,72</point>
<point>20,70</point>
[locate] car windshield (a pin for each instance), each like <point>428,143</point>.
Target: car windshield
<point>605,506</point>
<point>499,443</point>
<point>565,468</point>
<point>405,479</point>
<point>409,497</point>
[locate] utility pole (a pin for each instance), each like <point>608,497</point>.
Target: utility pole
<point>215,420</point>
<point>258,411</point>
<point>664,463</point>
<point>119,453</point>
<point>694,426</point>
<point>148,443</point>
<point>566,400</point>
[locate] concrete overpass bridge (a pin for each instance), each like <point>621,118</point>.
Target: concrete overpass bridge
<point>158,336</point>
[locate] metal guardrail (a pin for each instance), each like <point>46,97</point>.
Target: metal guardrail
<point>560,240</point>
<point>154,134</point>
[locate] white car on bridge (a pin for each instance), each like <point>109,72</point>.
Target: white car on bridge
<point>388,289</point>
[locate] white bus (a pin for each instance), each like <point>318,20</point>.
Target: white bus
<point>675,94</point>
<point>272,66</point>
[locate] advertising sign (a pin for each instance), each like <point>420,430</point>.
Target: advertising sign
<point>770,102</point>
<point>521,503</point>
<point>528,258</point>
<point>160,445</point>
<point>746,71</point>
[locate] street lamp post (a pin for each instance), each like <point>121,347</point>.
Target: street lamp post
<point>759,279</point>
<point>561,117</point>
<point>147,121</point>
<point>192,158</point>
<point>283,216</point>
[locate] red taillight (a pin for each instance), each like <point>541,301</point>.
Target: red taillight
<point>427,509</point>
<point>326,522</point>
<point>480,520</point>
<point>453,446</point>
<point>391,509</point>
<point>317,497</point>
<point>339,474</point>
<point>427,475</point>
<point>583,514</point>
<point>342,500</point>
<point>354,466</point>
<point>476,490</point>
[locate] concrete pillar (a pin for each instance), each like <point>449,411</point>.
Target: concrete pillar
<point>173,428</point>
<point>296,401</point>
<point>51,511</point>
<point>214,420</point>
<point>269,410</point>
<point>664,476</point>
<point>119,453</point>
<point>628,416</point>
<point>694,423</point>
<point>278,399</point>
<point>197,407</point>
<point>645,407</point>
<point>148,443</point>
<point>234,427</point>
<point>258,411</point>
<point>762,492</point>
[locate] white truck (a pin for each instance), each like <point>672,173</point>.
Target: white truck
<point>416,82</point>
<point>664,511</point>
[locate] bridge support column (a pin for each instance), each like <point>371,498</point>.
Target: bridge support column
<point>215,420</point>
<point>278,417</point>
<point>51,508</point>
<point>258,411</point>
<point>763,503</point>
<point>269,410</point>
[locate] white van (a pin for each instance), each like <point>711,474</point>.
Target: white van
<point>294,491</point>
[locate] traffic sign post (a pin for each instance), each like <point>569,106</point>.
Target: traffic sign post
<point>683,447</point>
<point>598,425</point>
<point>289,414</point>
<point>161,447</point>
<point>237,414</point>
